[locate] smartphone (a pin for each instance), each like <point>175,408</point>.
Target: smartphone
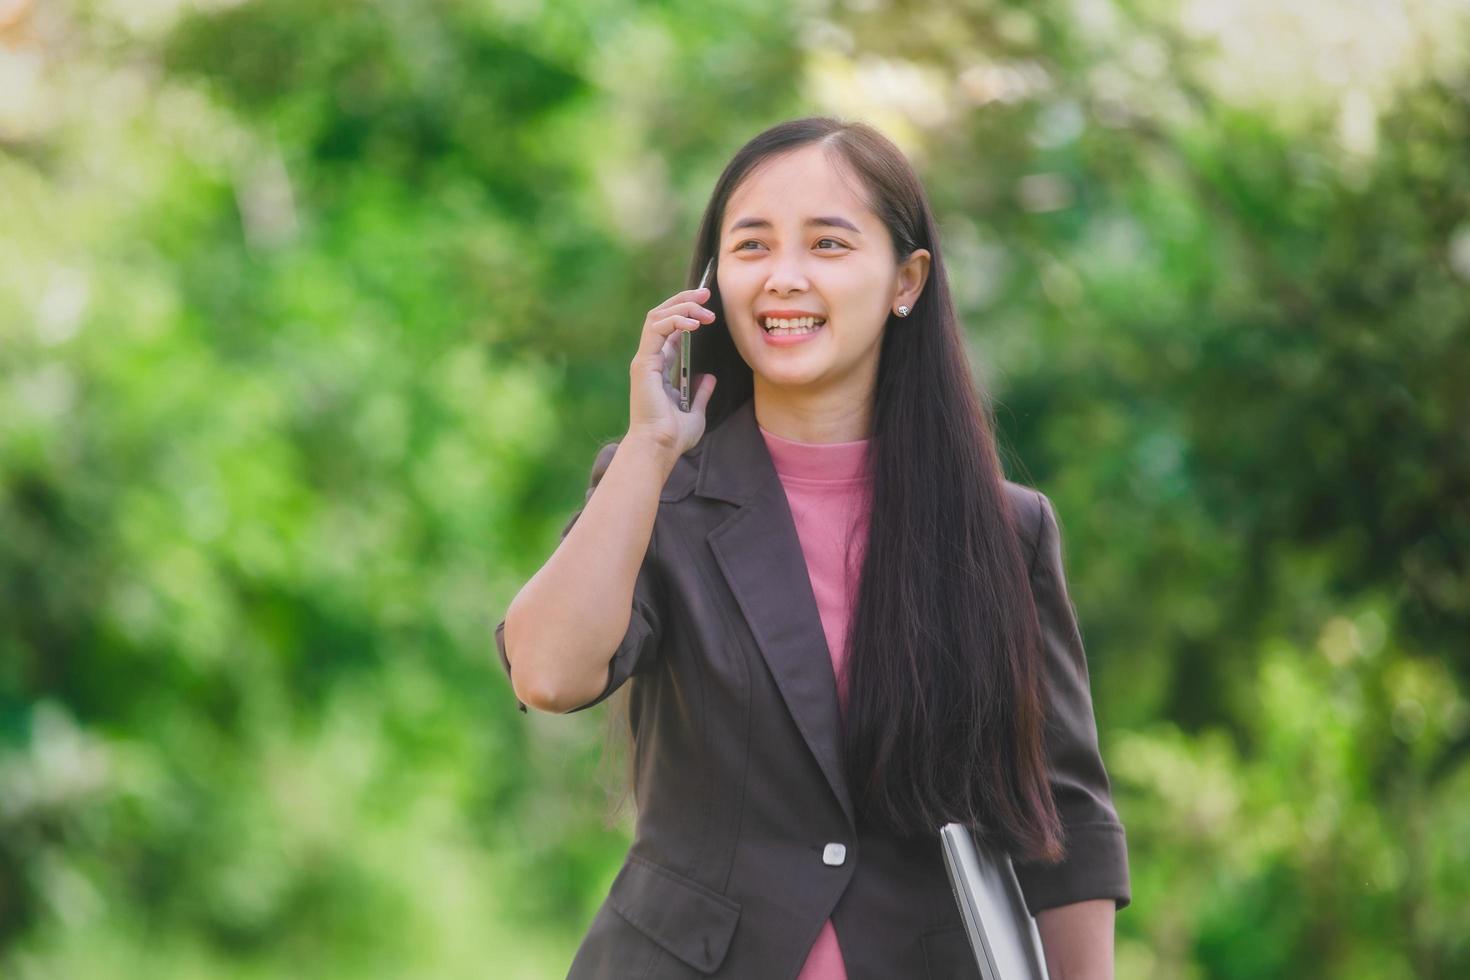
<point>685,345</point>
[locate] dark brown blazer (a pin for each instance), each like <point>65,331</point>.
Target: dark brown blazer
<point>739,782</point>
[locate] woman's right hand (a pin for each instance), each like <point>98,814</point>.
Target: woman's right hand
<point>653,408</point>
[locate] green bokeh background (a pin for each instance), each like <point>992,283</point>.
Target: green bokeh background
<point>313,314</point>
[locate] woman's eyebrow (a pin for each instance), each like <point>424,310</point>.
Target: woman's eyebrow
<point>827,221</point>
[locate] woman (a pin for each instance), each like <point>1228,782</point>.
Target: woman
<point>843,626</point>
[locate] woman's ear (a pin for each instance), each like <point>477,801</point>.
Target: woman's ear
<point>913,273</point>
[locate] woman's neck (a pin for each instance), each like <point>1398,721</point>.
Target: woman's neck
<point>815,420</point>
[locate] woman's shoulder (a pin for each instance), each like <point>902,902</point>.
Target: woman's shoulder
<point>1028,508</point>
<point>1028,505</point>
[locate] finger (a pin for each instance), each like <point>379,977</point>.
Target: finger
<point>705,391</point>
<point>696,310</point>
<point>658,333</point>
<point>701,313</point>
<point>683,296</point>
<point>672,306</point>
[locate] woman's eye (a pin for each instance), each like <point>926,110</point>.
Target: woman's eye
<point>752,241</point>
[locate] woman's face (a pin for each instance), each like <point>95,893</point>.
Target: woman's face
<point>796,237</point>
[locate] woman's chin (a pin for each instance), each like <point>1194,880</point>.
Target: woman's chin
<point>790,375</point>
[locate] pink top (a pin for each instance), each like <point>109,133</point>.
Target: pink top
<point>830,494</point>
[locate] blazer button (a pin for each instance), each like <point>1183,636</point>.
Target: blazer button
<point>834,854</point>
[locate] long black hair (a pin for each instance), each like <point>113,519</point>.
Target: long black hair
<point>945,713</point>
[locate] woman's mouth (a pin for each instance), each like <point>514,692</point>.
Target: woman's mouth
<point>789,330</point>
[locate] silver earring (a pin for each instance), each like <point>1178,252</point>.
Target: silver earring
<point>903,311</point>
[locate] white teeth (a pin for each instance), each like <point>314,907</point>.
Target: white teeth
<point>798,325</point>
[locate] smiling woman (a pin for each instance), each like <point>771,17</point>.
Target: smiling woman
<point>800,225</point>
<point>840,626</point>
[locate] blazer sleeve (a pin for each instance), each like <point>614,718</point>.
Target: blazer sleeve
<point>1096,861</point>
<point>635,653</point>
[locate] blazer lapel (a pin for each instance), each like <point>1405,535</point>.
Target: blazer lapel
<point>760,555</point>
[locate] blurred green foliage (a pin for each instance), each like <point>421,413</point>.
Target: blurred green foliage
<point>313,314</point>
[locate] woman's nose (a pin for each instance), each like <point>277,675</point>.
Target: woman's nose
<point>787,275</point>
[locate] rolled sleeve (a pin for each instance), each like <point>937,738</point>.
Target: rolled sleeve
<point>1096,861</point>
<point>635,653</point>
